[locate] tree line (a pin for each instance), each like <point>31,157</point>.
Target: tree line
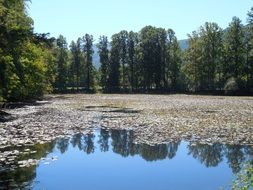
<point>74,68</point>
<point>216,60</point>
<point>131,62</point>
<point>220,59</point>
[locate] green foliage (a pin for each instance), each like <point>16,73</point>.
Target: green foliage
<point>174,64</point>
<point>104,60</point>
<point>34,68</point>
<point>249,50</point>
<point>75,64</point>
<point>152,60</point>
<point>143,61</point>
<point>203,57</point>
<point>62,61</point>
<point>234,49</point>
<point>80,72</point>
<point>88,51</point>
<point>114,68</point>
<point>192,62</point>
<point>25,72</point>
<point>244,180</point>
<point>215,57</point>
<point>123,38</point>
<point>132,58</point>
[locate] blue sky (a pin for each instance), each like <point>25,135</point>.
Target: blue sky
<point>74,18</point>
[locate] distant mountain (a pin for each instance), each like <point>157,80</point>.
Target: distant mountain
<point>96,62</point>
<point>183,44</point>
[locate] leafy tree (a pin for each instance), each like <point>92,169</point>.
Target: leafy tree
<point>204,57</point>
<point>234,49</point>
<point>192,61</point>
<point>211,41</point>
<point>175,64</point>
<point>26,62</point>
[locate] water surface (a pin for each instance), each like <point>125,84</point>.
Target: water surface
<point>109,159</point>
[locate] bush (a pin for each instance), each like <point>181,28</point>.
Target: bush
<point>231,86</point>
<point>244,179</point>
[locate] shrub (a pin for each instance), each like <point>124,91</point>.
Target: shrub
<point>231,86</point>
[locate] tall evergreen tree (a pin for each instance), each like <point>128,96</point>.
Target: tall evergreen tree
<point>75,64</point>
<point>88,50</point>
<point>168,57</point>
<point>148,43</point>
<point>249,50</point>
<point>123,37</point>
<point>114,68</point>
<point>62,59</point>
<point>104,60</point>
<point>160,56</point>
<point>132,43</point>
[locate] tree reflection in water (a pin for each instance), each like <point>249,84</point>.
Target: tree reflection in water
<point>212,155</point>
<point>122,142</point>
<point>209,155</point>
<point>62,144</point>
<point>235,156</point>
<point>104,140</point>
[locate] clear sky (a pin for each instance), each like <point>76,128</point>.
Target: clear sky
<point>74,18</point>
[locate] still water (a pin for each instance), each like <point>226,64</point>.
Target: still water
<point>108,159</point>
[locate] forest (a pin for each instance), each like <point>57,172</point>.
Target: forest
<point>216,60</point>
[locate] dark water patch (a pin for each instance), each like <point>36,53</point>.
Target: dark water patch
<point>125,110</point>
<point>211,111</point>
<point>109,159</point>
<point>94,107</point>
<point>112,109</point>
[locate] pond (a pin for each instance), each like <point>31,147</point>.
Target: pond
<point>109,159</point>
